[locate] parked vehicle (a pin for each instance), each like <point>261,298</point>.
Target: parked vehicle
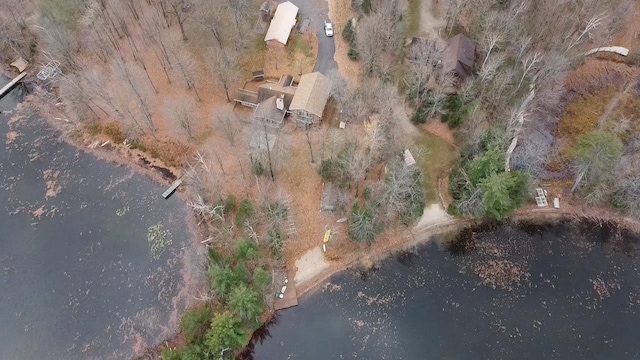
<point>328,28</point>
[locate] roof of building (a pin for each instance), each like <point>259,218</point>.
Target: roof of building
<point>283,87</point>
<point>268,110</point>
<point>283,21</point>
<point>459,56</point>
<point>312,94</point>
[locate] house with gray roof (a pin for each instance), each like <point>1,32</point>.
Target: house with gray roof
<point>459,56</point>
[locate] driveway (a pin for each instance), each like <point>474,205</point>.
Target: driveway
<point>317,11</point>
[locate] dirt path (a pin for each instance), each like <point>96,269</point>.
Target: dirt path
<point>431,20</point>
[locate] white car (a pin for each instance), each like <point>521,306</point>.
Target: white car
<point>328,28</point>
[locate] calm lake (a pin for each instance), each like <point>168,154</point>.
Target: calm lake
<point>562,291</point>
<point>77,276</point>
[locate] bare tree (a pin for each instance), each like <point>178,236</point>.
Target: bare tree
<point>225,69</point>
<point>128,75</point>
<point>227,123</point>
<point>180,110</point>
<point>185,65</point>
<point>180,10</point>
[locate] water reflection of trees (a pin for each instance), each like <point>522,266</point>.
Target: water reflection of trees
<point>259,336</point>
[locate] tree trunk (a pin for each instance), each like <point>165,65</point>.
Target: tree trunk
<point>310,148</point>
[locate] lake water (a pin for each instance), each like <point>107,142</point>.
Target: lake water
<point>77,279</point>
<point>563,291</point>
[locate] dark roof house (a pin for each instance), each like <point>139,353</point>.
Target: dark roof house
<point>459,56</point>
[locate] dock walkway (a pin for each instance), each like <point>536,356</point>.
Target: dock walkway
<point>10,85</point>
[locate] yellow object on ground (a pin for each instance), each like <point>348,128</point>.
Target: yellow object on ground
<point>327,236</point>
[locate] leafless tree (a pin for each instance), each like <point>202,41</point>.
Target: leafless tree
<point>128,74</point>
<point>185,65</point>
<point>180,110</point>
<point>180,10</point>
<point>225,69</point>
<point>227,122</point>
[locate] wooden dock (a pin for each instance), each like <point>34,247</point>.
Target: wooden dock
<point>290,298</point>
<point>172,188</point>
<point>10,85</point>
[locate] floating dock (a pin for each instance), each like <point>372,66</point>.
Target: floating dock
<point>172,188</point>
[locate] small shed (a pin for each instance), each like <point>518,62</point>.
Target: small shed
<point>459,56</point>
<point>310,98</point>
<point>281,25</point>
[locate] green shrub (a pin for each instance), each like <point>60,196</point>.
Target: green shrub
<point>257,168</point>
<point>226,332</point>
<point>195,351</point>
<point>246,249</point>
<point>194,322</point>
<point>215,258</point>
<point>230,204</point>
<point>353,49</point>
<point>362,227</point>
<point>247,303</point>
<point>261,278</point>
<point>275,242</point>
<point>245,212</point>
<point>113,131</point>
<point>170,354</point>
<point>348,33</point>
<point>223,279</point>
<point>456,111</point>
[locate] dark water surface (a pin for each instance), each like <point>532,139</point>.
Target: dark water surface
<point>564,291</point>
<point>77,279</point>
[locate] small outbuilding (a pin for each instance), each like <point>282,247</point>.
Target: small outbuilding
<point>310,99</point>
<point>459,56</point>
<point>281,25</point>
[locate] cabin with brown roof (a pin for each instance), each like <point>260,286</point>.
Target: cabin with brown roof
<point>459,56</point>
<point>310,99</point>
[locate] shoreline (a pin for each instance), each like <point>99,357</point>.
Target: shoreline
<point>426,234</point>
<point>382,250</point>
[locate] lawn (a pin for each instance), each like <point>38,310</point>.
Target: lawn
<point>437,158</point>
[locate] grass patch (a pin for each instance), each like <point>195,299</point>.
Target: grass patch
<point>169,152</point>
<point>414,18</point>
<point>581,116</point>
<point>299,43</point>
<point>439,158</point>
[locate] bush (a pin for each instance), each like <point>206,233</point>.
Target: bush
<point>257,168</point>
<point>455,111</point>
<point>245,212</point>
<point>229,204</point>
<point>196,351</point>
<point>503,193</point>
<point>226,332</point>
<point>113,131</point>
<point>261,278</point>
<point>348,32</point>
<point>170,354</point>
<point>275,242</point>
<point>246,302</point>
<point>194,322</point>
<point>353,50</point>
<point>223,279</point>
<point>362,226</point>
<point>246,249</point>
